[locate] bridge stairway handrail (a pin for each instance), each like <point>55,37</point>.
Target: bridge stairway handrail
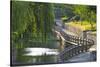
<point>80,45</point>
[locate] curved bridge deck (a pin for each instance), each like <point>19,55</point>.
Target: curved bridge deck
<point>78,46</point>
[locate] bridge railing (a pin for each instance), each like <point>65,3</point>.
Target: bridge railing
<point>80,45</point>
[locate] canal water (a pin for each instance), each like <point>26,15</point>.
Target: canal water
<point>41,55</point>
<point>36,52</point>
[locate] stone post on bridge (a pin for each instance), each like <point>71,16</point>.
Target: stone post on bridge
<point>61,40</point>
<point>62,43</point>
<point>85,34</point>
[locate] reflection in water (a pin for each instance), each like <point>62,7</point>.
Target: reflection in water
<point>37,55</point>
<point>41,55</point>
<point>41,59</point>
<point>36,52</point>
<point>41,51</point>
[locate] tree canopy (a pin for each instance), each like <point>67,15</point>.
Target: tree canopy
<point>31,19</point>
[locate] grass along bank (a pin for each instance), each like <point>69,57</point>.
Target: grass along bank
<point>83,25</point>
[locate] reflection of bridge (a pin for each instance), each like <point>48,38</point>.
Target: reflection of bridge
<point>73,45</point>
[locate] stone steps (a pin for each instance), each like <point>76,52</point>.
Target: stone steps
<point>83,57</point>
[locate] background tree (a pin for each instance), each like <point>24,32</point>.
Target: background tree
<point>86,12</point>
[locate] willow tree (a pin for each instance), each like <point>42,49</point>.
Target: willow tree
<point>43,19</point>
<point>31,19</point>
<point>19,19</point>
<point>48,18</point>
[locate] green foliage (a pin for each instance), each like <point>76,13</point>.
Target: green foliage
<point>18,16</point>
<point>86,12</point>
<point>30,19</point>
<point>62,10</point>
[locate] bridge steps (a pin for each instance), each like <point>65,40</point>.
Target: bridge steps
<point>83,57</point>
<point>78,45</point>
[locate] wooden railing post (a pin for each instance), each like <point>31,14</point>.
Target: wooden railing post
<point>86,44</point>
